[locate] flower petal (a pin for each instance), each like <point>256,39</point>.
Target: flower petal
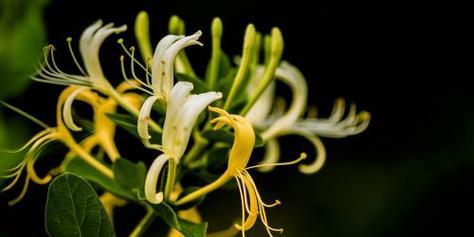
<point>144,117</point>
<point>182,112</point>
<point>151,179</point>
<point>89,45</point>
<point>67,110</point>
<point>293,78</point>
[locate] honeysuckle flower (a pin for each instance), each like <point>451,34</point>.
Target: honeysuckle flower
<point>41,140</point>
<point>276,124</point>
<point>182,112</point>
<point>90,76</point>
<point>239,156</point>
<point>162,64</point>
<point>89,45</point>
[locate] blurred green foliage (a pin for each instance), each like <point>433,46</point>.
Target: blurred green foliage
<point>22,35</point>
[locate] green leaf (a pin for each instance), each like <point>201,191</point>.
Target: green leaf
<point>129,124</point>
<point>188,229</point>
<point>78,167</point>
<point>129,175</point>
<point>73,209</point>
<point>199,85</point>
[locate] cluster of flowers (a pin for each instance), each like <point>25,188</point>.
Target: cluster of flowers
<point>243,97</point>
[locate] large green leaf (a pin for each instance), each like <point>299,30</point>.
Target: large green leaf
<point>188,229</point>
<point>73,209</point>
<point>78,167</point>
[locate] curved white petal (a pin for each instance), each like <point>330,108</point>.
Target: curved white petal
<point>144,117</point>
<point>296,81</point>
<point>90,42</point>
<point>164,60</point>
<point>151,179</point>
<point>158,61</point>
<point>318,146</point>
<point>335,126</point>
<point>272,155</point>
<point>182,112</point>
<point>67,110</point>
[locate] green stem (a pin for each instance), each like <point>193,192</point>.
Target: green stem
<point>144,224</point>
<point>199,144</point>
<point>171,177</point>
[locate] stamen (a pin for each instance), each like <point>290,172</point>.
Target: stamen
<point>24,114</point>
<point>69,39</point>
<point>243,206</point>
<point>23,192</point>
<point>125,77</point>
<point>31,141</point>
<point>300,158</point>
<point>120,41</point>
<point>244,194</point>
<point>15,180</point>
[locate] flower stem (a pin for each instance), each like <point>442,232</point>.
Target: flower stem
<point>172,165</point>
<point>144,223</point>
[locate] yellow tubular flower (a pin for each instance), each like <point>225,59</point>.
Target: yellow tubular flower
<point>45,137</point>
<point>251,201</point>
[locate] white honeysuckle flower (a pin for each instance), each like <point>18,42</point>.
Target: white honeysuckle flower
<point>162,64</point>
<point>162,71</point>
<point>290,122</point>
<point>182,112</point>
<point>291,76</point>
<point>92,77</point>
<point>90,42</point>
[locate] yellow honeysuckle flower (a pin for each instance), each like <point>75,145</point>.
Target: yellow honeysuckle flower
<point>239,156</point>
<point>37,143</point>
<point>182,112</point>
<point>276,124</point>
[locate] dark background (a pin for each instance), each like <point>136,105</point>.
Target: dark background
<point>409,174</point>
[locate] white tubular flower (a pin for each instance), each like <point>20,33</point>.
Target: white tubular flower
<point>182,111</point>
<point>89,45</point>
<point>162,70</point>
<point>336,126</point>
<point>290,122</point>
<point>291,76</point>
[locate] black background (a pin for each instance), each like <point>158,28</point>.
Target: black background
<point>409,174</point>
